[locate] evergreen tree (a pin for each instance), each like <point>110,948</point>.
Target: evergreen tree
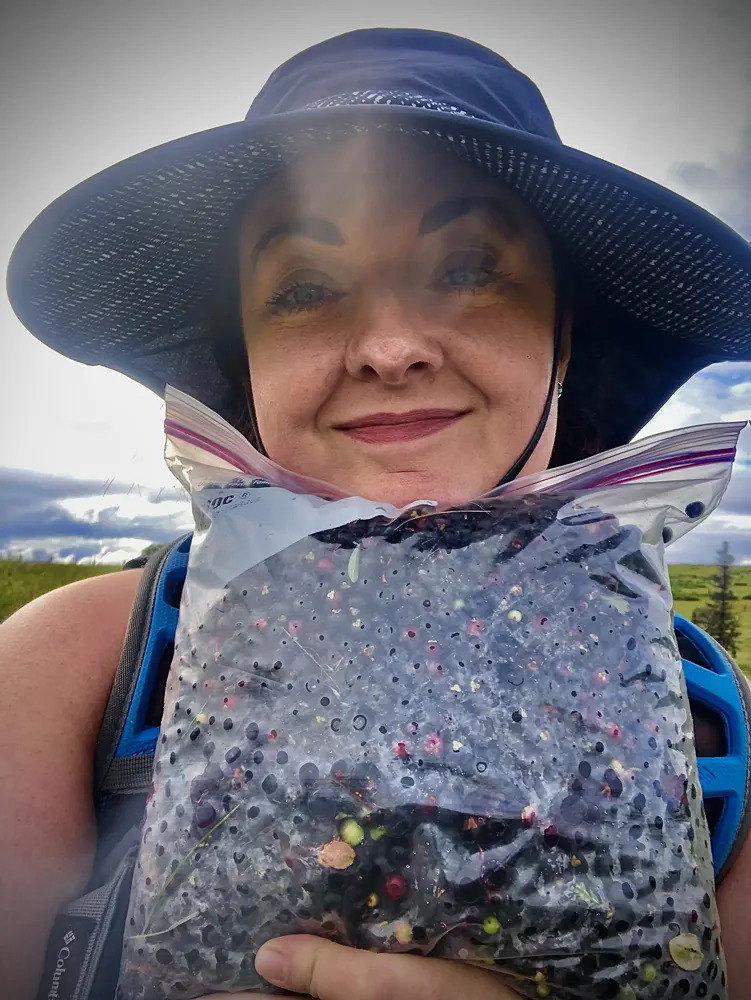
<point>719,617</point>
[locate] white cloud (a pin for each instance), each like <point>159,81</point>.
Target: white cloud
<point>70,549</point>
<point>702,545</point>
<point>68,519</point>
<point>116,553</point>
<point>68,419</point>
<point>724,184</point>
<point>129,508</point>
<point>737,416</point>
<point>708,397</point>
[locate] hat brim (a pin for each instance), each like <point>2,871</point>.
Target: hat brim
<point>118,271</point>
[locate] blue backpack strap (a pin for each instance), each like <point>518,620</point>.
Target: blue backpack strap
<point>715,682</point>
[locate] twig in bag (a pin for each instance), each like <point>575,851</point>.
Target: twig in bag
<point>192,851</point>
<point>321,666</point>
<point>172,927</point>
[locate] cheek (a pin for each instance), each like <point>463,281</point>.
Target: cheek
<point>291,378</point>
<point>507,361</point>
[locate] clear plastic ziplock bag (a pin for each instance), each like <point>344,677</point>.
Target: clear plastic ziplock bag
<point>457,732</point>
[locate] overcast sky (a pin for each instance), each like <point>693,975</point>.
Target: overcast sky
<point>662,87</point>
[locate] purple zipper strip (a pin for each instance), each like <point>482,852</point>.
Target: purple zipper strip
<point>665,465</point>
<point>193,437</point>
<point>278,478</point>
<point>673,462</point>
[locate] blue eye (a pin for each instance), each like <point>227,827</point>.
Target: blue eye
<point>469,277</point>
<point>304,295</point>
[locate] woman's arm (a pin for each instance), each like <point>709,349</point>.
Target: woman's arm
<point>734,903</point>
<point>58,657</point>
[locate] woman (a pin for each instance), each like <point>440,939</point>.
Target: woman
<point>392,276</point>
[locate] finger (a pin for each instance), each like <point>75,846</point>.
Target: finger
<point>249,996</point>
<point>329,971</point>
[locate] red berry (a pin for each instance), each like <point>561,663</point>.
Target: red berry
<point>395,886</point>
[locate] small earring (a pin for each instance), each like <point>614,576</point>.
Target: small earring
<point>560,389</point>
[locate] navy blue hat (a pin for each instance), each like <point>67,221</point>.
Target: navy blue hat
<point>119,271</point>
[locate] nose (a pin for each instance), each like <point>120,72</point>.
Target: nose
<point>392,344</point>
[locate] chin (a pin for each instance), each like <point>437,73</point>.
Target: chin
<point>404,488</point>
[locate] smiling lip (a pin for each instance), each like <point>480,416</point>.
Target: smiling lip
<point>380,428</point>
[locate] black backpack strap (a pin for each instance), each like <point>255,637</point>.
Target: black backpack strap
<point>125,747</point>
<point>137,563</point>
<point>84,948</point>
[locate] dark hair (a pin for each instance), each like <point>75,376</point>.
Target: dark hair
<point>228,342</point>
<point>577,436</point>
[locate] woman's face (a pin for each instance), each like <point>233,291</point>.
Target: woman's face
<point>398,310</point>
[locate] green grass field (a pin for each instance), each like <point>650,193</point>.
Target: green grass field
<point>22,582</point>
<point>689,592</point>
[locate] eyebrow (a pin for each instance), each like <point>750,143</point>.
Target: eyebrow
<point>450,209</point>
<point>311,226</point>
<point>322,231</point>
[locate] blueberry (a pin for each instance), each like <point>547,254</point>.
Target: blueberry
<point>204,815</point>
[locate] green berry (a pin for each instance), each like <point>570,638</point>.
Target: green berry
<point>491,925</point>
<point>352,833</point>
<point>685,950</point>
<point>377,832</point>
<point>648,972</point>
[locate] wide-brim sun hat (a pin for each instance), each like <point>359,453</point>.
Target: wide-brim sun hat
<point>120,270</point>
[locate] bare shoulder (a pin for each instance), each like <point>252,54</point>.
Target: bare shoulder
<point>80,626</point>
<point>60,652</point>
<point>58,658</point>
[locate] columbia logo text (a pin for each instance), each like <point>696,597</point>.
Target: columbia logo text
<point>62,957</point>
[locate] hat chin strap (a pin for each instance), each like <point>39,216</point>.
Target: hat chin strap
<point>542,423</point>
<point>254,432</point>
<point>554,389</point>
